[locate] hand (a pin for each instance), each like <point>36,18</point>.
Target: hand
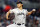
<point>8,18</point>
<point>34,10</point>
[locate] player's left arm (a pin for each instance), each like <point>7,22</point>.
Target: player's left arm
<point>29,13</point>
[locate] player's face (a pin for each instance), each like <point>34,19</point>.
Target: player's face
<point>19,5</point>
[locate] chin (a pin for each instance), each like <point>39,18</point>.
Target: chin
<point>18,7</point>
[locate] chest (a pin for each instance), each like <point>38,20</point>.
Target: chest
<point>20,12</point>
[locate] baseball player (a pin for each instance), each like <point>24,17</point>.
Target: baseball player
<point>20,15</point>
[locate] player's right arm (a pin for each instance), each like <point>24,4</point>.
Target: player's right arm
<point>7,14</point>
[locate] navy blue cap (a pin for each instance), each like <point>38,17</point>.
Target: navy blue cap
<point>19,2</point>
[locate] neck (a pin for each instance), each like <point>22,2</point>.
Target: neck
<point>20,8</point>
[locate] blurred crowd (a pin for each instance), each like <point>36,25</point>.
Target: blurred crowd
<point>32,20</point>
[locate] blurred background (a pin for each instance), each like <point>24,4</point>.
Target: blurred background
<point>32,20</point>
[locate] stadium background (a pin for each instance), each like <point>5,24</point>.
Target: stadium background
<point>33,20</point>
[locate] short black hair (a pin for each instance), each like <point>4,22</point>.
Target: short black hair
<point>19,2</point>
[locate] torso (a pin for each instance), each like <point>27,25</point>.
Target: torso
<point>20,15</point>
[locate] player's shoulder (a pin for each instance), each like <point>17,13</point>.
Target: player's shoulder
<point>25,9</point>
<point>13,9</point>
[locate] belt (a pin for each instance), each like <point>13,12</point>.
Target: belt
<point>19,23</point>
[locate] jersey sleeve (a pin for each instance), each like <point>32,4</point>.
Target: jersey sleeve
<point>11,11</point>
<point>26,12</point>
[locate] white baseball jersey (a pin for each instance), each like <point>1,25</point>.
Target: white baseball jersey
<point>20,15</point>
